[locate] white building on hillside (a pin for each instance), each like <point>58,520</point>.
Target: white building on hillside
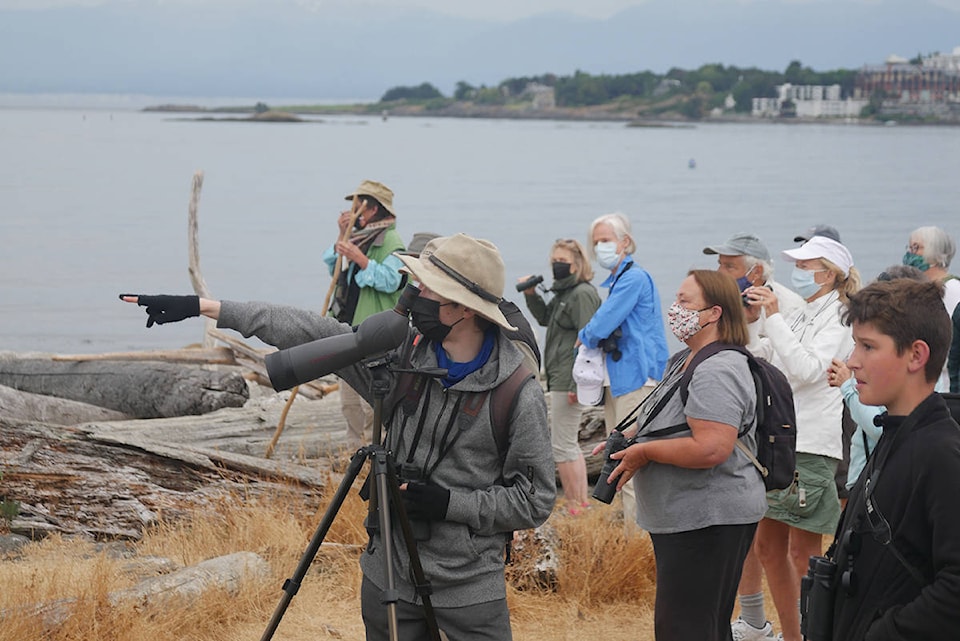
<point>808,101</point>
<point>945,61</point>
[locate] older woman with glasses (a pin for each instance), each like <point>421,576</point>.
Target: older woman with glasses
<point>574,301</point>
<point>930,249</point>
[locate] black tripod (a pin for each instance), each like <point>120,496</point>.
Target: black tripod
<point>386,485</point>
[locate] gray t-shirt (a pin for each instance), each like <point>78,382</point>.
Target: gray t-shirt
<point>673,499</point>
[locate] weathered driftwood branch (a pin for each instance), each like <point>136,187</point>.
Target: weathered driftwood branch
<point>253,359</point>
<point>193,250</point>
<point>200,356</point>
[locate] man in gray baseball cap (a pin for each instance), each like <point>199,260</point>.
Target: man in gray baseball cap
<point>747,260</point>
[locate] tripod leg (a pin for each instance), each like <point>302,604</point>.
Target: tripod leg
<point>292,585</point>
<point>392,491</point>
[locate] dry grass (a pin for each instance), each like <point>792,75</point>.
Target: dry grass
<point>603,589</point>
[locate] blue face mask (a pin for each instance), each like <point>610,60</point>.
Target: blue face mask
<point>607,255</point>
<point>804,283</point>
<point>743,283</point>
<point>916,260</point>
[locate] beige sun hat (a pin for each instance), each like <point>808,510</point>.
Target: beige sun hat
<point>378,191</point>
<point>465,270</point>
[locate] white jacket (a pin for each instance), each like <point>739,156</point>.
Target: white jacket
<point>802,345</point>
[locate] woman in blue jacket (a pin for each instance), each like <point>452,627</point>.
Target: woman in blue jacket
<point>628,326</point>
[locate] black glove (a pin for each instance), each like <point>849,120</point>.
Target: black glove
<point>426,501</point>
<point>168,309</point>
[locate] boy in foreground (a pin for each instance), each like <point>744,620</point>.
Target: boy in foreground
<point>898,544</point>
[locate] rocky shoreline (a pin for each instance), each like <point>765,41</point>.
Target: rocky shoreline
<point>614,113</point>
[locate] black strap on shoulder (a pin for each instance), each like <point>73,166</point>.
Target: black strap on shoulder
<point>632,264</point>
<point>705,352</point>
<point>503,398</point>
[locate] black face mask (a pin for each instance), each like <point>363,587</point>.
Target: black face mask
<point>425,314</point>
<point>560,270</point>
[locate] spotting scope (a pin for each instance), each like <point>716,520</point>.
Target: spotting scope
<point>377,334</point>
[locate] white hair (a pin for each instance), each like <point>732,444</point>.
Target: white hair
<point>621,229</point>
<point>766,267</point>
<point>938,247</point>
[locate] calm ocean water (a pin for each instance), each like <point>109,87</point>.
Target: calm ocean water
<point>93,202</point>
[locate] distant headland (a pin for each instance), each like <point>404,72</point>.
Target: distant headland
<point>923,90</point>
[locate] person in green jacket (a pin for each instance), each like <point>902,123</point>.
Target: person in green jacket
<point>573,303</point>
<point>369,280</point>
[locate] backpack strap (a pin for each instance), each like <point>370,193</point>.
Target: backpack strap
<point>503,398</point>
<point>706,352</point>
<point>503,401</point>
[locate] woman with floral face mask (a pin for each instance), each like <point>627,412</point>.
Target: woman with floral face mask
<point>698,495</point>
<point>803,345</point>
<point>628,326</point>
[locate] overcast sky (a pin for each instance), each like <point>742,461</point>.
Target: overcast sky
<point>485,9</point>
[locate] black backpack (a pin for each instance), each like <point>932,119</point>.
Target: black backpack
<point>524,331</point>
<point>776,416</point>
<point>776,458</point>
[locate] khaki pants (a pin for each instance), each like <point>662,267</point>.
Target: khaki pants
<point>358,415</point>
<point>615,409</point>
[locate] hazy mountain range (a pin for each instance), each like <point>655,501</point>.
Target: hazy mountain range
<point>285,49</point>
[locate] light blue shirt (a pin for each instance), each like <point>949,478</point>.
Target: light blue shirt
<point>863,416</point>
<point>384,277</point>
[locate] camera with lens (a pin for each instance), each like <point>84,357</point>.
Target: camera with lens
<point>611,344</point>
<point>616,442</point>
<point>533,281</point>
<point>817,591</point>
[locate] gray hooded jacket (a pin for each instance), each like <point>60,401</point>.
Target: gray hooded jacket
<point>490,495</point>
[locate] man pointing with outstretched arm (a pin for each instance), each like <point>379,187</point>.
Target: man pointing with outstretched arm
<point>473,492</point>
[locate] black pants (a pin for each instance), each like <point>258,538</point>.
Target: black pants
<point>697,577</point>
<point>488,621</point>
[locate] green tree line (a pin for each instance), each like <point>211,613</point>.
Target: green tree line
<point>697,90</point>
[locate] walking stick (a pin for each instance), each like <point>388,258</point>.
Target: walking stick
<point>344,237</point>
<point>337,268</point>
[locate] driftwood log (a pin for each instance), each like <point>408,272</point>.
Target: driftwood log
<point>170,590</point>
<point>147,389</point>
<point>109,480</point>
<point>24,406</point>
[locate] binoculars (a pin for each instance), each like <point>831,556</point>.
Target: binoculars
<point>604,491</point>
<point>533,281</point>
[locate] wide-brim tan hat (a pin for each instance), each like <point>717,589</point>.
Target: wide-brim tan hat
<point>465,270</point>
<point>378,191</point>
